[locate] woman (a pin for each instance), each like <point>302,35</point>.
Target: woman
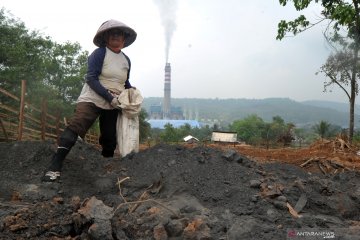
<point>107,75</point>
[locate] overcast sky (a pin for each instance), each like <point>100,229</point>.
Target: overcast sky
<point>218,48</point>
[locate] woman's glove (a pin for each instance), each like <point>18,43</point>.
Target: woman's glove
<point>115,103</point>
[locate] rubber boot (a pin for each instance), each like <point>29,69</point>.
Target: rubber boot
<point>107,153</point>
<point>58,158</point>
<point>67,141</point>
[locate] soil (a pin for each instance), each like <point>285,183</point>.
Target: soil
<point>185,191</point>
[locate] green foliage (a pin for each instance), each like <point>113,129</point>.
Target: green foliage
<point>184,130</point>
<point>21,54</point>
<point>341,13</point>
<point>253,130</point>
<point>144,126</point>
<point>326,130</point>
<point>53,71</point>
<point>203,133</point>
<point>250,129</point>
<point>322,128</point>
<point>302,136</point>
<point>173,135</point>
<point>296,26</point>
<point>275,131</point>
<point>170,134</point>
<point>356,138</point>
<point>298,4</point>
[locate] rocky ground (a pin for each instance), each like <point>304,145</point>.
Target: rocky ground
<point>181,192</point>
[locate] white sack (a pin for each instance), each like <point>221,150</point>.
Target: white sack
<point>127,134</point>
<point>127,126</point>
<point>130,102</point>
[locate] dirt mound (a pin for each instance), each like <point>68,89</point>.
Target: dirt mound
<point>174,192</point>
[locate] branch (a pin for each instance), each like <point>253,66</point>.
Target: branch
<point>330,40</point>
<point>335,81</point>
<point>295,31</point>
<point>118,183</point>
<point>143,201</point>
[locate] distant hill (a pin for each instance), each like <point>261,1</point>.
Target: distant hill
<point>341,107</point>
<point>226,111</point>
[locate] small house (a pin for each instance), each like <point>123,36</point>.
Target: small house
<point>226,137</point>
<point>190,139</point>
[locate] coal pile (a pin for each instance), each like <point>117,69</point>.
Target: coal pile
<point>170,192</point>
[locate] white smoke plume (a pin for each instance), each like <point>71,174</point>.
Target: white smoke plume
<point>167,10</point>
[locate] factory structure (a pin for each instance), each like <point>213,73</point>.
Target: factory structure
<point>165,113</point>
<point>167,92</point>
<point>166,110</point>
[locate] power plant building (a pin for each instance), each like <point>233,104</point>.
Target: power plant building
<point>165,113</point>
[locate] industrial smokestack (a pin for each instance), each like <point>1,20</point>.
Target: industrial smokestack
<point>167,92</point>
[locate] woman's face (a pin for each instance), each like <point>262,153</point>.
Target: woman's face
<point>116,40</point>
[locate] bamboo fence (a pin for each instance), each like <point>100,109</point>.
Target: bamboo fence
<point>27,122</point>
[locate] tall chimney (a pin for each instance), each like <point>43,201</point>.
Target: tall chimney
<point>167,92</point>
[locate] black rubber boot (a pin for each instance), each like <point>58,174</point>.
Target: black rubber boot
<point>58,158</point>
<point>67,141</point>
<point>107,153</point>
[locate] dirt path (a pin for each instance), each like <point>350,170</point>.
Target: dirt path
<point>178,192</point>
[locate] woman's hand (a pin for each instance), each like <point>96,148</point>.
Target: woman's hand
<point>115,103</point>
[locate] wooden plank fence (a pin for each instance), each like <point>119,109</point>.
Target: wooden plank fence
<point>30,123</point>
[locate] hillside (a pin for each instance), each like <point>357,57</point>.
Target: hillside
<point>341,107</point>
<point>228,110</point>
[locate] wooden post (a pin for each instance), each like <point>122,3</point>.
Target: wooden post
<point>4,130</point>
<point>21,111</point>
<point>57,127</point>
<point>43,118</point>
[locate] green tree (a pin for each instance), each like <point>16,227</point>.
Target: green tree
<point>338,69</point>
<point>144,126</point>
<point>170,134</point>
<point>249,129</point>
<point>184,130</point>
<point>22,54</point>
<point>53,71</point>
<point>276,130</point>
<point>300,135</point>
<point>322,128</point>
<point>357,137</point>
<point>203,133</point>
<point>287,135</point>
<point>66,70</point>
<point>343,16</point>
<point>254,130</point>
<point>267,134</point>
<point>216,127</point>
<point>326,130</point>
